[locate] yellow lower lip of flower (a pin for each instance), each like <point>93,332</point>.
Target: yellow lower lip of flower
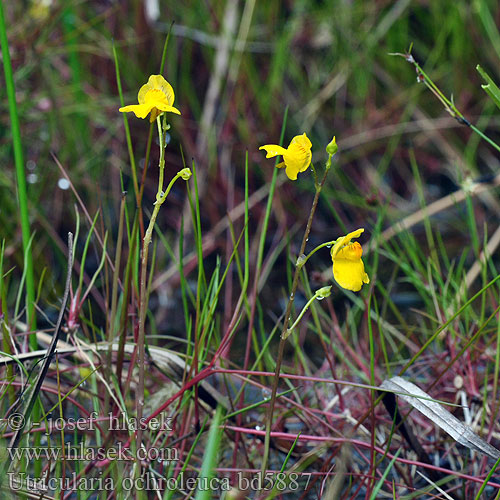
<point>350,274</point>
<point>348,267</point>
<point>142,110</point>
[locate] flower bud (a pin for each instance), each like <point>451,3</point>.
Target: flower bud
<point>324,292</point>
<point>332,147</point>
<point>185,173</point>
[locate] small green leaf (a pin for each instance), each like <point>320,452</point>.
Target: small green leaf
<point>491,89</point>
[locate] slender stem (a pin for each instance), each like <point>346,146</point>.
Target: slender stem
<point>305,258</point>
<point>485,137</point>
<point>142,318</point>
<point>162,157</point>
<point>143,294</point>
<point>320,294</point>
<point>286,321</point>
<point>143,179</point>
<point>299,317</point>
<point>169,187</point>
<point>448,104</point>
<point>142,288</point>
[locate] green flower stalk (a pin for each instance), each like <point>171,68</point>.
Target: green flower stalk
<point>320,294</point>
<point>155,98</point>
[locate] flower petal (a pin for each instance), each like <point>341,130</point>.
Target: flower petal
<point>291,172</point>
<point>352,251</point>
<point>350,274</point>
<point>166,107</point>
<point>140,110</point>
<point>348,268</point>
<point>158,82</point>
<point>141,96</point>
<point>344,240</point>
<point>296,158</point>
<point>158,89</point>
<point>302,140</point>
<point>298,155</point>
<point>273,150</point>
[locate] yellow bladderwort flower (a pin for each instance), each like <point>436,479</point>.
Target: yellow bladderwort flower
<point>155,97</point>
<point>296,158</point>
<point>348,268</point>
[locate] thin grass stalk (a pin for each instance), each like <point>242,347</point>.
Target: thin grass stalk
<point>128,285</point>
<point>262,241</point>
<point>27,237</point>
<point>260,255</point>
<point>114,291</point>
<point>448,105</point>
<point>373,396</point>
<point>201,285</point>
<point>129,141</point>
<point>21,178</point>
<point>7,341</point>
<point>210,457</point>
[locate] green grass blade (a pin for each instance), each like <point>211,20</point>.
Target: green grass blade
<point>21,178</point>
<point>127,128</point>
<point>164,54</point>
<point>210,457</point>
<point>263,234</point>
<point>384,475</point>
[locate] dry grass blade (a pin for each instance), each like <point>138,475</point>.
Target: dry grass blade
<point>422,402</point>
<point>445,495</point>
<point>169,363</point>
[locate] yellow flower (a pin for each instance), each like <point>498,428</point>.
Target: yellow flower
<point>156,96</point>
<point>348,268</point>
<point>296,158</point>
